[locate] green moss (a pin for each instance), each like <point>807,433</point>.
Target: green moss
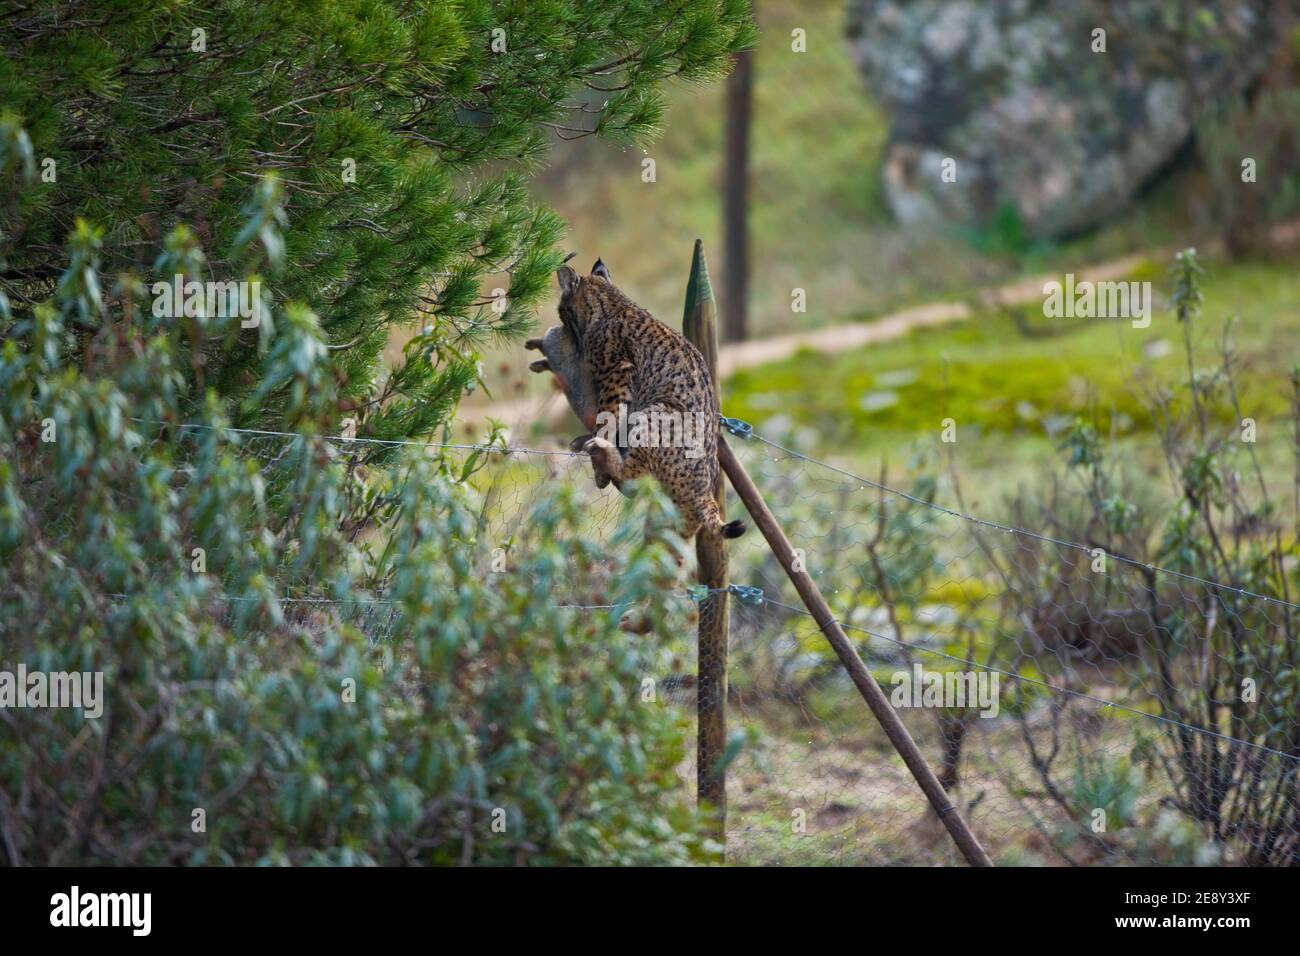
<point>996,382</point>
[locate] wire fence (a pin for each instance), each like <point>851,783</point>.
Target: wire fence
<point>1081,706</point>
<point>1140,713</point>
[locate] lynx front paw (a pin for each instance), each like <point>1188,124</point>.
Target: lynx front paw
<point>605,460</point>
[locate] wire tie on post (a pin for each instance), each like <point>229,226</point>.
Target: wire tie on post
<point>737,427</point>
<point>747,594</point>
<point>698,592</point>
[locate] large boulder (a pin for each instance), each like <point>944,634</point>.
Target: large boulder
<point>1036,121</point>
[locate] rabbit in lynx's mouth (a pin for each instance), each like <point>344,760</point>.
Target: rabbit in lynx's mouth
<point>563,361</point>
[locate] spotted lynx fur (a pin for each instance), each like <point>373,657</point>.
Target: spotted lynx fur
<point>613,358</point>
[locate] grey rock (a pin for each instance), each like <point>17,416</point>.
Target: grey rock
<point>1036,121</point>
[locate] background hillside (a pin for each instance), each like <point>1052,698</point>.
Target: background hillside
<point>819,221</point>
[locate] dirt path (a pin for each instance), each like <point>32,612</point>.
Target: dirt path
<point>551,408</point>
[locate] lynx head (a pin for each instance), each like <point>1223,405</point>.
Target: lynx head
<point>585,299</point>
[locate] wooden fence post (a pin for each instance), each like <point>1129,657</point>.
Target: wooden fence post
<point>862,678</point>
<point>700,327</point>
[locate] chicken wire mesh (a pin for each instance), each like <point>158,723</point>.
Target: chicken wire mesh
<point>1080,707</point>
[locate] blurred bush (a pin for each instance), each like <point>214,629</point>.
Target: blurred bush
<point>1266,134</point>
<point>480,724</point>
<point>261,707</point>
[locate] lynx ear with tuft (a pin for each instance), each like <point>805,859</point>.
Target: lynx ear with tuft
<point>600,269</point>
<point>568,279</point>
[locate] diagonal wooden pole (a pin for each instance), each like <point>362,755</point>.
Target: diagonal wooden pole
<point>700,327</point>
<point>848,655</point>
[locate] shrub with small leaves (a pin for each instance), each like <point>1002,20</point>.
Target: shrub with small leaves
<point>336,679</point>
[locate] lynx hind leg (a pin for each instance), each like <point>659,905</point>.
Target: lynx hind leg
<point>692,520</point>
<point>689,528</point>
<point>704,518</point>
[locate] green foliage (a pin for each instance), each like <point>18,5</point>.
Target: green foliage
<point>304,733</point>
<point>300,636</point>
<point>399,133</point>
<point>1187,273</point>
<point>1005,235</point>
<point>1193,650</point>
<point>1112,785</point>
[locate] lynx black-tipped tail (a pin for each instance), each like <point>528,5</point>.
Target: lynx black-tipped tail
<point>734,529</point>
